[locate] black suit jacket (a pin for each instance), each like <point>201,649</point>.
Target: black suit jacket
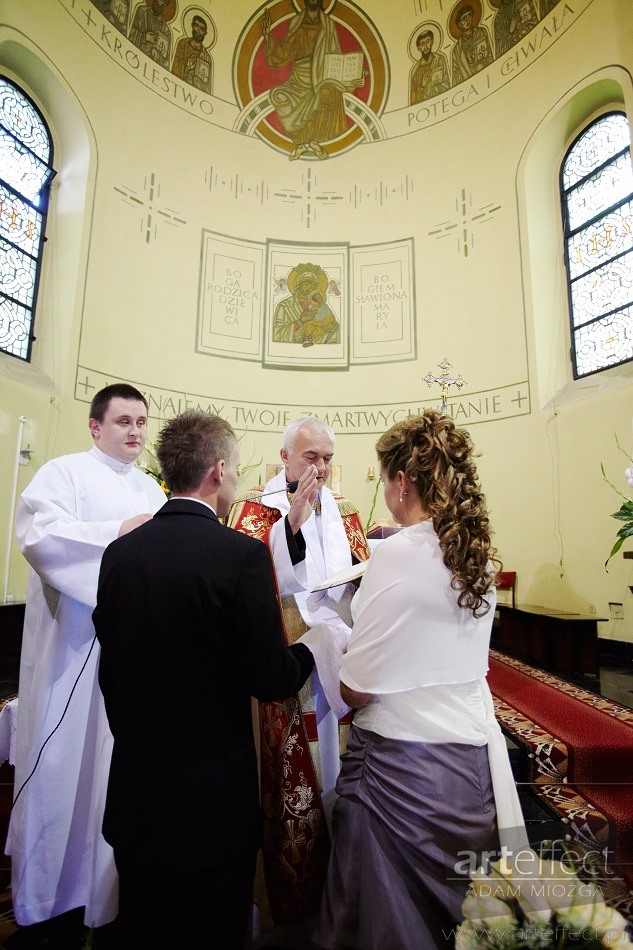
<point>189,628</point>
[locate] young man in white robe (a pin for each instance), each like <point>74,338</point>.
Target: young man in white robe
<point>73,508</point>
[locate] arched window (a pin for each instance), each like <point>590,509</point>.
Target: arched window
<point>596,182</point>
<point>25,176</point>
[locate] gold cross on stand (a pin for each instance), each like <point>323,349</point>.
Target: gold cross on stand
<point>444,380</point>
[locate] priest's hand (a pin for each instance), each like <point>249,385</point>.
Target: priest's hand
<point>304,498</point>
<point>133,523</point>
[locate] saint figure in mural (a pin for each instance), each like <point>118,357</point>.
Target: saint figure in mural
<point>310,104</point>
<point>305,317</point>
<point>513,20</point>
<point>472,51</point>
<point>150,31</point>
<point>116,12</point>
<point>430,76</point>
<point>192,61</point>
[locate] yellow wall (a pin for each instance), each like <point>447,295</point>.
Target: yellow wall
<point>119,299</point>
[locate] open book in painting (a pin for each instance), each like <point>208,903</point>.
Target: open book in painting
<point>345,67</point>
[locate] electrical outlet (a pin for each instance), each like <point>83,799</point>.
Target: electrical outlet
<point>616,611</point>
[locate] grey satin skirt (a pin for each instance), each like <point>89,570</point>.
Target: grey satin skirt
<point>410,822</point>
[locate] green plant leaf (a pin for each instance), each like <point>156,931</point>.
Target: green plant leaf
<point>373,505</point>
<point>614,550</point>
<point>611,485</point>
<point>625,513</point>
<point>623,450</point>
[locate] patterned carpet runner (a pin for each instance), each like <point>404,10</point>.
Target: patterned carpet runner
<point>580,757</point>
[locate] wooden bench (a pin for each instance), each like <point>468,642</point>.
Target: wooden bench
<point>554,640</point>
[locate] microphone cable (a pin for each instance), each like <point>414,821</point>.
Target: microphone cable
<point>290,487</point>
<point>50,736</point>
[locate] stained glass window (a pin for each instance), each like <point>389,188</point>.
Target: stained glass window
<point>25,176</point>
<point>597,199</point>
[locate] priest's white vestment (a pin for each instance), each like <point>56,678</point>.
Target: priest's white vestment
<point>70,512</point>
<point>327,553</point>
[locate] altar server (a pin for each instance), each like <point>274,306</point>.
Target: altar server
<point>73,508</point>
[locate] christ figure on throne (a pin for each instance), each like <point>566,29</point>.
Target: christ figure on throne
<point>309,104</point>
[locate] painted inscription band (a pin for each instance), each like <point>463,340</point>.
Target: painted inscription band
<point>466,408</point>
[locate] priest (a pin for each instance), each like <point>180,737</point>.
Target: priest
<point>73,508</point>
<point>312,535</point>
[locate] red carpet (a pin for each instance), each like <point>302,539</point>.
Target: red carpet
<point>599,746</point>
<point>580,751</point>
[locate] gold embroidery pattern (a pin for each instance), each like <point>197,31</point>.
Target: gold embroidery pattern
<point>296,841</point>
<point>356,537</point>
<point>254,519</point>
<point>346,507</point>
<point>296,838</point>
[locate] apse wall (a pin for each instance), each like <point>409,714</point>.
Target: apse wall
<point>182,225</point>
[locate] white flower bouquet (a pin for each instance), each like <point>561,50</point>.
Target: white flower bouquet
<point>537,901</point>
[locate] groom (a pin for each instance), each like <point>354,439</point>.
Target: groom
<point>189,628</point>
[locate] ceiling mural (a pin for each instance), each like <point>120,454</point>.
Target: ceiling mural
<point>312,83</point>
<point>314,78</point>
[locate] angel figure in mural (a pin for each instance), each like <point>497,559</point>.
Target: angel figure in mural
<point>192,60</point>
<point>150,30</point>
<point>310,103</point>
<point>429,77</point>
<point>116,12</point>
<point>513,20</point>
<point>305,317</point>
<point>472,51</point>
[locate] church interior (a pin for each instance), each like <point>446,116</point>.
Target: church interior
<point>410,244</point>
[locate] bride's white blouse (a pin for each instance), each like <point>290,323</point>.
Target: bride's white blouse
<point>422,656</point>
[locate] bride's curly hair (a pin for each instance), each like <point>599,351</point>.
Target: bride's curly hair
<point>436,457</point>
